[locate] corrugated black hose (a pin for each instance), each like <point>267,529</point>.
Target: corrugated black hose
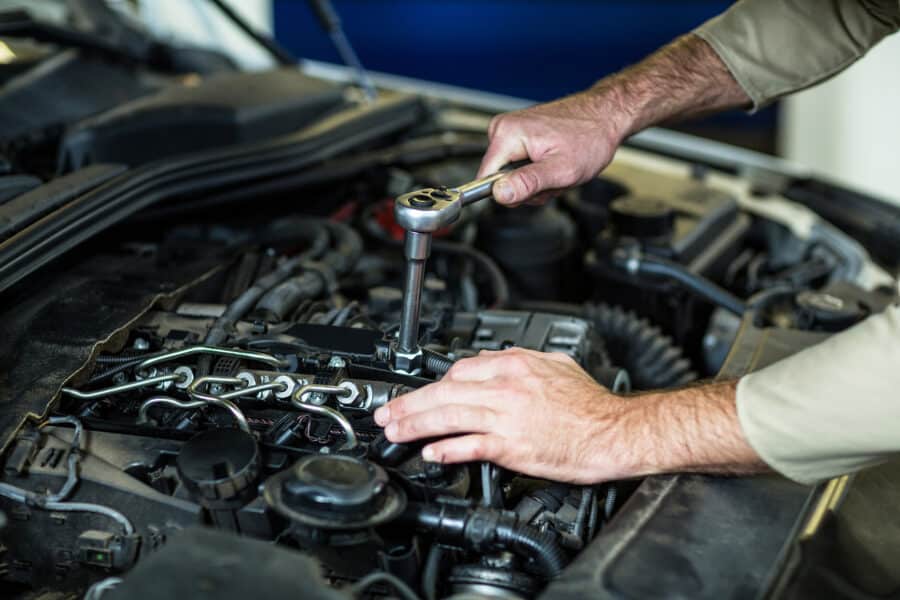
<point>436,362</point>
<point>651,358</point>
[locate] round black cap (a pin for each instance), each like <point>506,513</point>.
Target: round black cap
<point>334,483</point>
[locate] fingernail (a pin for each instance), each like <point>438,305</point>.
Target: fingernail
<point>503,192</point>
<point>390,431</point>
<point>428,454</point>
<point>382,415</point>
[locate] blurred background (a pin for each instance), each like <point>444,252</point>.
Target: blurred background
<point>846,129</point>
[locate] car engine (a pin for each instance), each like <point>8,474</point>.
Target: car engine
<point>245,401</point>
<point>189,387</point>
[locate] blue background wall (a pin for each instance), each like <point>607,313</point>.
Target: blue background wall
<point>539,49</point>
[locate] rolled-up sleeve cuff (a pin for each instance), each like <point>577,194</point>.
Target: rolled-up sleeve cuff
<point>831,409</point>
<point>773,48</point>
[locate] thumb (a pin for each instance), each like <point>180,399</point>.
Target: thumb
<point>530,180</point>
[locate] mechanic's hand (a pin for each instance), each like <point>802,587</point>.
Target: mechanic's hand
<point>568,141</point>
<point>533,412</point>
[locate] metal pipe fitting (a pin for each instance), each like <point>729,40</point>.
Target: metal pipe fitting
<point>350,440</point>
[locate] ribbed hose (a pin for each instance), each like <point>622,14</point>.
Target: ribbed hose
<point>541,546</point>
<point>436,362</point>
<point>651,358</point>
<point>125,356</point>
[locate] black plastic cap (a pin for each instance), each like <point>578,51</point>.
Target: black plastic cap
<point>218,465</point>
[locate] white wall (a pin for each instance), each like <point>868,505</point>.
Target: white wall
<point>849,127</point>
<point>201,23</point>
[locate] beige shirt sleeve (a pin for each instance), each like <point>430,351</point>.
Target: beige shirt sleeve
<point>831,409</point>
<point>774,47</point>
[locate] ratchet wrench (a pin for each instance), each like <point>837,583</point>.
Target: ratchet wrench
<point>421,213</point>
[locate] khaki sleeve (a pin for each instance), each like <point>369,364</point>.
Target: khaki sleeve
<point>774,47</point>
<point>831,409</point>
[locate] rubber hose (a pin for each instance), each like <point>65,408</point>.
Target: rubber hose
<point>436,362</point>
<point>660,267</point>
<point>348,247</point>
<point>465,526</point>
<point>499,283</point>
<point>245,302</point>
<point>651,358</point>
<point>282,299</point>
<point>539,545</point>
<point>430,572</point>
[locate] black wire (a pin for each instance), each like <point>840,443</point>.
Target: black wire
<point>430,572</point>
<point>499,284</point>
<point>382,577</point>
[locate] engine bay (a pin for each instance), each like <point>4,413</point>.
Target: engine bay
<point>244,400</point>
<point>202,282</point>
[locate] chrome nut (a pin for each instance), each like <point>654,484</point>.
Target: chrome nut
<point>289,386</point>
<point>350,398</point>
<point>187,377</point>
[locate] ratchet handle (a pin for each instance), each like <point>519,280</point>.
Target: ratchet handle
<point>482,188</point>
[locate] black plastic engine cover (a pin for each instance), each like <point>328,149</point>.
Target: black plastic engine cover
<point>220,111</point>
<point>204,564</point>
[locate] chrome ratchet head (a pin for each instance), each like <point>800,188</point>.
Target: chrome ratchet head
<point>428,209</point>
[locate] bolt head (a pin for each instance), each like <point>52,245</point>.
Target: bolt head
<point>406,363</point>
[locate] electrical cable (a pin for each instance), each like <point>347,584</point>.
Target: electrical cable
<point>55,501</point>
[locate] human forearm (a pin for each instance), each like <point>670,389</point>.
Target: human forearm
<point>694,429</point>
<point>571,140</point>
<point>683,79</point>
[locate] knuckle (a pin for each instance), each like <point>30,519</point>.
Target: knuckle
<point>406,427</point>
<point>456,370</point>
<point>529,182</point>
<point>518,363</point>
<point>452,417</point>
<point>568,173</point>
<point>563,357</point>
<point>398,408</point>
<point>479,450</point>
<point>496,124</point>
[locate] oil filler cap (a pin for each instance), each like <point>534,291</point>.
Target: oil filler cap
<point>338,483</point>
<point>218,466</point>
<point>332,491</point>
